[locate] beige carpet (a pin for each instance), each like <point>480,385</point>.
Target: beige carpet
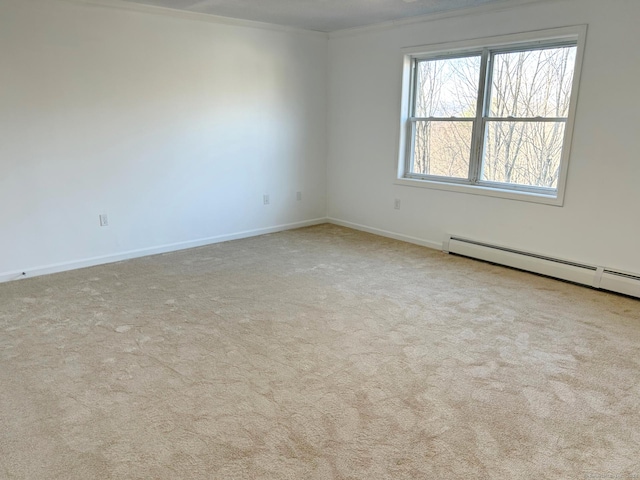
<point>320,353</point>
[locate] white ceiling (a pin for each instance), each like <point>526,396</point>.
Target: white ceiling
<point>320,15</point>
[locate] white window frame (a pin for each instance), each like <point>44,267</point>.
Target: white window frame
<point>484,46</point>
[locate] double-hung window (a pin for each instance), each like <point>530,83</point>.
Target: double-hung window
<point>492,116</point>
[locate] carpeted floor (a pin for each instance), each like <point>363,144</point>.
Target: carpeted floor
<point>319,353</point>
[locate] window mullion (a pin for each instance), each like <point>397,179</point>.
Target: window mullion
<point>441,119</point>
<point>478,130</point>
<point>526,119</point>
<point>410,123</point>
<point>411,132</point>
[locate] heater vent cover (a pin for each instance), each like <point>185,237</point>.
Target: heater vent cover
<point>591,275</point>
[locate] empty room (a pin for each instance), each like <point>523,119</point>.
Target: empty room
<point>319,239</point>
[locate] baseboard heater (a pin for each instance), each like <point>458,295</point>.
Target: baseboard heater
<point>591,275</point>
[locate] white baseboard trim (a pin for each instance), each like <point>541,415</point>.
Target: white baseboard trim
<point>143,252</point>
<point>386,233</point>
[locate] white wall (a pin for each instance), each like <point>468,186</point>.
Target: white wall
<point>600,220</point>
<point>174,127</point>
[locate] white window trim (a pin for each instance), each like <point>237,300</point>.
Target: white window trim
<point>575,33</point>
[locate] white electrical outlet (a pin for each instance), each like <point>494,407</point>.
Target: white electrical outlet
<point>396,204</point>
<point>104,220</point>
<point>265,199</point>
<point>298,196</point>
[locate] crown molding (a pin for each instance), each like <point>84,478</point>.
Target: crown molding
<point>431,17</point>
<point>195,16</point>
<point>347,32</point>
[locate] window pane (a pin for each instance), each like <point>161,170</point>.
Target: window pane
<point>523,153</point>
<point>447,87</point>
<point>532,83</point>
<point>442,148</point>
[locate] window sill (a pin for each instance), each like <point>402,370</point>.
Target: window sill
<point>555,200</point>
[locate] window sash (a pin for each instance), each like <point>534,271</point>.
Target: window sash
<point>411,160</point>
